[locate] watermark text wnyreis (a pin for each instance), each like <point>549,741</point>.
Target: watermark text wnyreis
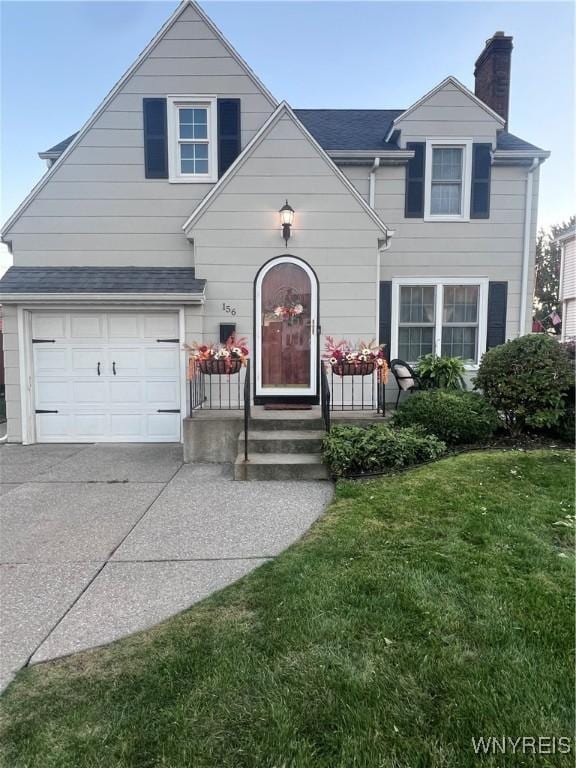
<point>522,745</point>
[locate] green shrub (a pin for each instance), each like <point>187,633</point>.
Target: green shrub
<point>353,450</point>
<point>441,372</point>
<point>455,417</point>
<point>527,381</point>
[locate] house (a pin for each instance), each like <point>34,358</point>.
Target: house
<point>567,242</point>
<point>158,222</point>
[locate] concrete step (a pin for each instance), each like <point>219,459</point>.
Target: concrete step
<point>280,466</point>
<point>282,441</point>
<point>296,420</point>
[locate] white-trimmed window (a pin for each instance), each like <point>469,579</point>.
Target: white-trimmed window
<point>192,140</point>
<point>448,179</point>
<point>441,316</point>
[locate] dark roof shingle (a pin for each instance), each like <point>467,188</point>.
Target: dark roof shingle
<point>101,280</point>
<point>57,149</point>
<point>353,129</point>
<point>508,141</point>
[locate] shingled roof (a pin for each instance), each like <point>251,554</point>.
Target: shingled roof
<point>57,149</point>
<point>352,129</point>
<point>101,280</point>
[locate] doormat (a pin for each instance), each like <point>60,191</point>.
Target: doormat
<point>286,407</point>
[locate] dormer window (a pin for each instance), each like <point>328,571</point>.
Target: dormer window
<point>192,150</point>
<point>448,178</point>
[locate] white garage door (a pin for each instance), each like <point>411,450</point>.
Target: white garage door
<point>106,376</point>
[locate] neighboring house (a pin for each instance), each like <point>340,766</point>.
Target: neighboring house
<point>159,221</point>
<point>567,241</point>
<point>1,360</point>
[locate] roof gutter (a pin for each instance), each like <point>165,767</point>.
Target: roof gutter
<point>149,297</point>
<point>526,245</point>
<point>522,155</point>
<point>363,156</point>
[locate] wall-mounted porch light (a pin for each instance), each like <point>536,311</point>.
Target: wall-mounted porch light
<point>286,219</point>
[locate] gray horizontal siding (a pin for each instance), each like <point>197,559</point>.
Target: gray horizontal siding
<point>189,29</point>
<point>132,102</point>
<point>466,119</point>
<point>240,232</point>
<point>98,202</point>
<point>174,257</point>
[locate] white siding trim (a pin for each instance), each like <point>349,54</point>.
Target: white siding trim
<point>25,365</point>
<point>183,381</point>
<point>483,282</point>
<point>125,298</point>
<point>120,84</point>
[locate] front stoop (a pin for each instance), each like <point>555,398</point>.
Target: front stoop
<point>282,448</point>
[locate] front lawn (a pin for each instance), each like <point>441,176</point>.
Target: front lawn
<point>423,610</point>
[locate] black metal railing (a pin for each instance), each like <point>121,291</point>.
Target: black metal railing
<point>358,393</point>
<point>246,408</point>
<point>217,391</point>
<point>325,396</point>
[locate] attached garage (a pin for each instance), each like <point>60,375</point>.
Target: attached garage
<point>99,352</point>
<point>106,376</point>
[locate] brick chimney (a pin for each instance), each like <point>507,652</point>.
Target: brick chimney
<point>492,74</point>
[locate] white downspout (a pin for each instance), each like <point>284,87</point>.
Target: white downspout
<point>371,202</point>
<point>526,246</point>
<point>561,289</point>
<point>372,187</point>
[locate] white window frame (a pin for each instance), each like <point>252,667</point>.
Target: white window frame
<point>174,103</point>
<point>466,146</point>
<point>439,283</point>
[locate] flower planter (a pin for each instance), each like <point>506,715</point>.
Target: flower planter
<point>222,366</point>
<point>354,369</point>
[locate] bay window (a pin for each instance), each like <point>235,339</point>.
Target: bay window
<point>444,317</point>
<point>192,151</point>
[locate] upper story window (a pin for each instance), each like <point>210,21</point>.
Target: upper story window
<point>192,141</point>
<point>448,179</point>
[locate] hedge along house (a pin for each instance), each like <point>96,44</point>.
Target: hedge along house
<point>158,223</point>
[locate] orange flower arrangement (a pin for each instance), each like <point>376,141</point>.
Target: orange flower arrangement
<point>233,355</point>
<point>343,353</point>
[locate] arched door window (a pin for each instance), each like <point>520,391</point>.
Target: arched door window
<point>286,326</point>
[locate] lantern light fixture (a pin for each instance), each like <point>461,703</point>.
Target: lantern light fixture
<point>286,219</point>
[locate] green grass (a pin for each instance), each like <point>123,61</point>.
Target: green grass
<point>423,610</point>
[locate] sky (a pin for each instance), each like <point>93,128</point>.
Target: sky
<point>59,59</point>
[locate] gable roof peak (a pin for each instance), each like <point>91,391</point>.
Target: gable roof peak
<point>450,80</point>
<point>168,24</point>
<point>281,110</point>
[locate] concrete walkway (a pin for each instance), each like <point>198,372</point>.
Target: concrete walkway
<point>100,541</point>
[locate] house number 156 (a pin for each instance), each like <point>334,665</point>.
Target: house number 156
<point>228,309</point>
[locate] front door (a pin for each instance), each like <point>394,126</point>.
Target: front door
<point>286,330</point>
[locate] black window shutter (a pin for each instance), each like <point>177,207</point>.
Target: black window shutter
<point>385,335</point>
<point>481,168</point>
<point>228,133</point>
<point>155,139</point>
<point>496,323</point>
<point>415,170</point>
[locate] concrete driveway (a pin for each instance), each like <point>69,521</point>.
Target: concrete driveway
<point>99,541</point>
